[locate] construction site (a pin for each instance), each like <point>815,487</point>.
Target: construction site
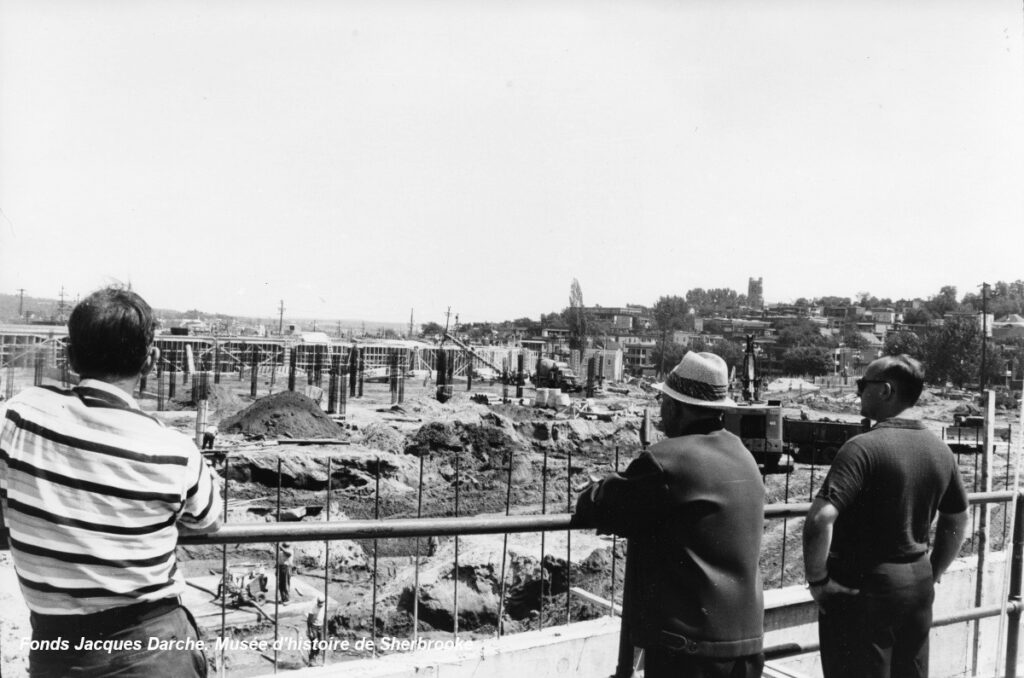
<point>424,494</point>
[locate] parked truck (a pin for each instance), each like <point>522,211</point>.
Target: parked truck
<point>556,374</point>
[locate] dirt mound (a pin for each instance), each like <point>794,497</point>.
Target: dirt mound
<point>483,442</point>
<point>282,415</point>
<point>381,436</point>
<point>224,400</point>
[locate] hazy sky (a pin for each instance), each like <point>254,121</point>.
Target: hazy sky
<point>359,159</point>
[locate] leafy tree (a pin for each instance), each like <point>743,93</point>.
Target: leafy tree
<point>669,315</point>
<point>599,330</point>
<point>851,338</point>
<point>577,318</point>
<point>812,360</point>
<point>554,320</point>
<point>953,352</point>
<point>668,353</point>
<point>998,359</point>
<point>944,302</point>
<point>532,327</point>
<point>800,332</point>
<point>865,299</point>
<point>1002,299</point>
<point>917,316</point>
<point>431,329</point>
<point>904,341</point>
<point>710,302</point>
<point>834,301</point>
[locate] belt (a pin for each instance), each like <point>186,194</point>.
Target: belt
<point>716,649</point>
<point>910,558</point>
<point>102,623</point>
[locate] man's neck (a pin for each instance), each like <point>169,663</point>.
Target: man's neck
<point>892,413</point>
<point>128,385</point>
<point>702,426</point>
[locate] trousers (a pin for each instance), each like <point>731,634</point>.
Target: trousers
<point>660,662</point>
<point>284,582</point>
<point>123,652</point>
<point>883,631</point>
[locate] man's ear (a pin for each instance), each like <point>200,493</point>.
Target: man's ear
<point>151,360</point>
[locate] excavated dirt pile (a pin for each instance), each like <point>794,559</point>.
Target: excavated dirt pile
<point>282,415</point>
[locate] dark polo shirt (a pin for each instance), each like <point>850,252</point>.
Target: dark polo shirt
<point>888,484</point>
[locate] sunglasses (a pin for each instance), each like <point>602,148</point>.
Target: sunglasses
<point>861,383</point>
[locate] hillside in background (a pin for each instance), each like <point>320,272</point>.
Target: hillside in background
<point>38,309</point>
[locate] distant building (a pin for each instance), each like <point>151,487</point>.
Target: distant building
<point>884,315</point>
<point>629,317</point>
<point>755,293</point>
<point>1010,327</point>
<point>637,357</point>
<point>985,320</point>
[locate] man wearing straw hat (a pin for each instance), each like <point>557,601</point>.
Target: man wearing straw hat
<point>692,507</point>
<point>866,536</point>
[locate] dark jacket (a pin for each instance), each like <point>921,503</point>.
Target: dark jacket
<point>693,510</point>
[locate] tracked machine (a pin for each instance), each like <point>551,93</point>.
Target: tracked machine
<point>770,436</point>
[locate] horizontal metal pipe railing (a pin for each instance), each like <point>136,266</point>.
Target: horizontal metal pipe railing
<point>248,533</point>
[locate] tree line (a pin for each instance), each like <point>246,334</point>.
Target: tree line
<point>951,351</point>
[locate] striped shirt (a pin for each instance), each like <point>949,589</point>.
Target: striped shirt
<point>91,488</point>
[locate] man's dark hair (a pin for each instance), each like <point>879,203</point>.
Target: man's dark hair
<point>110,333</point>
<point>906,374</point>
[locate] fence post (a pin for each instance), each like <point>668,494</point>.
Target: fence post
<point>332,384</point>
<point>255,371</point>
<point>216,362</point>
<point>293,360</point>
<point>1013,612</point>
<point>519,376</point>
<point>984,517</point>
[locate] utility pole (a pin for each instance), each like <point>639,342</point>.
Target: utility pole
<point>280,318</point>
<point>60,308</point>
<point>984,333</point>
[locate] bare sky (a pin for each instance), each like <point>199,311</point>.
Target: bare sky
<point>359,159</point>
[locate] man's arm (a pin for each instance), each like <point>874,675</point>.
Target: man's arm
<point>817,540</point>
<point>183,528</point>
<point>949,536</point>
<point>624,504</point>
<point>204,506</point>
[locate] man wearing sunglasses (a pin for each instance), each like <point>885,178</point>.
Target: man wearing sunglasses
<point>866,538</point>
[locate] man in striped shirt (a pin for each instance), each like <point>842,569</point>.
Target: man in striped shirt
<point>94,492</point>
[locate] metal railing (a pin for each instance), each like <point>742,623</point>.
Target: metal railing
<point>504,525</point>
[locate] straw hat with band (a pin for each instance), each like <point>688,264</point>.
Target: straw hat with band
<point>700,379</point>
